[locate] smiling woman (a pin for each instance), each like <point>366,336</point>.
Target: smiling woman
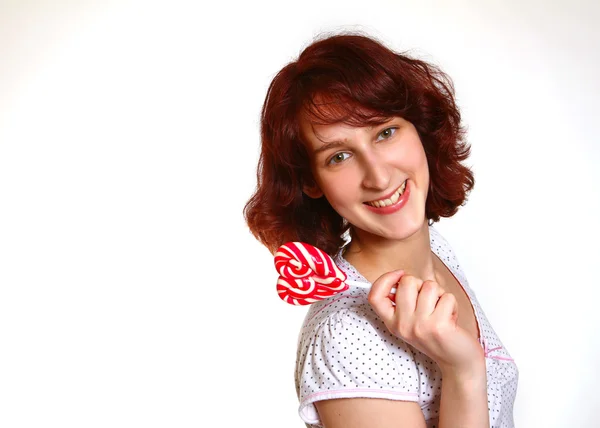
<point>353,81</point>
<point>380,164</point>
<point>357,138</point>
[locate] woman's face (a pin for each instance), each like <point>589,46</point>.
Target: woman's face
<point>377,177</point>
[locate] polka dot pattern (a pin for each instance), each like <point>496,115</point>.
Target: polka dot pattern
<point>345,351</point>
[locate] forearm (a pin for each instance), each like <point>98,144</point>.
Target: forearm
<point>464,402</point>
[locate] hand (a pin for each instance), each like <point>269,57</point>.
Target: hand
<point>426,317</point>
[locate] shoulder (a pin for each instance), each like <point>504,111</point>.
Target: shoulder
<point>350,307</point>
<point>345,351</point>
<point>338,324</point>
<point>337,308</point>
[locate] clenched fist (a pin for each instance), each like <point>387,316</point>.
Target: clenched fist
<point>426,317</point>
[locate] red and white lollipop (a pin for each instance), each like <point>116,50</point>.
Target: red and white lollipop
<point>307,274</point>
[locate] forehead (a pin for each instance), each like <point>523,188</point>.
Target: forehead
<point>323,132</point>
<point>319,130</point>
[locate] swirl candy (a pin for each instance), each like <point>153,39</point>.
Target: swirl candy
<point>306,274</point>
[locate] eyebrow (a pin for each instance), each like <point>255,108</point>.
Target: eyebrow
<point>331,144</point>
<point>328,146</point>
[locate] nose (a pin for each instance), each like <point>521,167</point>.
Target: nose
<point>376,173</point>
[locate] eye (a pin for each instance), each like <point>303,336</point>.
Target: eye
<point>386,133</point>
<point>338,158</point>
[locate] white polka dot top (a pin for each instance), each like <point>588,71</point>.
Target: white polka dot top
<point>345,351</point>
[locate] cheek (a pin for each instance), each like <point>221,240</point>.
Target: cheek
<point>424,164</point>
<point>335,192</point>
<point>416,156</point>
<point>338,188</point>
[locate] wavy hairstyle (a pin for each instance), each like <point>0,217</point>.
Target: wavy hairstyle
<point>354,79</point>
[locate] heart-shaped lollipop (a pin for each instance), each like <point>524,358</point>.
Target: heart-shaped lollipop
<point>307,274</point>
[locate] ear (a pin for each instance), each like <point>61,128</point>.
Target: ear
<point>312,191</point>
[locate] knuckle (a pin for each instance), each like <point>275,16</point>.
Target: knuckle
<point>450,297</point>
<point>429,286</point>
<point>405,279</point>
<point>409,280</point>
<point>421,330</point>
<point>371,299</point>
<point>375,305</point>
<point>430,283</point>
<point>406,334</point>
<point>403,330</point>
<point>437,330</point>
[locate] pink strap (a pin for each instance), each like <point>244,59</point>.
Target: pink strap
<point>488,351</point>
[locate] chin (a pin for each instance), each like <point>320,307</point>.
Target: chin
<point>407,229</point>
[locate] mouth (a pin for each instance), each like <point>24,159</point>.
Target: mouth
<point>389,200</point>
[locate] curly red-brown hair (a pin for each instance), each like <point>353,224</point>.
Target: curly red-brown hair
<point>354,79</point>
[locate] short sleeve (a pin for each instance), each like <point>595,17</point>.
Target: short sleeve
<point>350,354</point>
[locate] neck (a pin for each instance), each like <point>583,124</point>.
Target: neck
<point>373,256</point>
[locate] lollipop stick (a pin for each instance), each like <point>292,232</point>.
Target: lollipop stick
<point>363,284</point>
<point>360,284</point>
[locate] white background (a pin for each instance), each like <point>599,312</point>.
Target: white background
<point>132,293</point>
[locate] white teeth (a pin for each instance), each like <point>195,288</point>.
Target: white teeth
<point>392,200</point>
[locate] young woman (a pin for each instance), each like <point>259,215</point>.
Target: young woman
<point>361,142</point>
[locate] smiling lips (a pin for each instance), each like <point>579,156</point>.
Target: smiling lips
<point>391,200</point>
<point>400,197</point>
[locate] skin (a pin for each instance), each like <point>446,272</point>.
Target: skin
<point>368,164</point>
<point>351,166</point>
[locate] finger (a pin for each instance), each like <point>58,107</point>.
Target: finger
<point>446,308</point>
<point>406,294</point>
<point>380,290</point>
<point>428,298</point>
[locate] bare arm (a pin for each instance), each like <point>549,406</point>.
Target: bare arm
<point>463,404</point>
<point>370,413</point>
<point>464,398</point>
<point>426,317</point>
